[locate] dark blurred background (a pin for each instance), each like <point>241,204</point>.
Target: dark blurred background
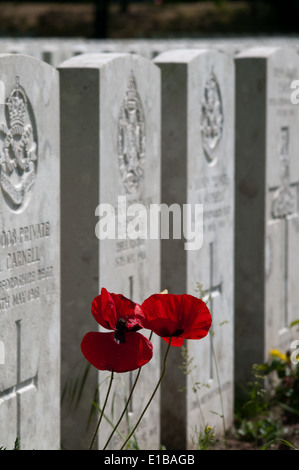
<point>148,18</point>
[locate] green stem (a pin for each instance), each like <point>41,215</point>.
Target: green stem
<point>128,401</point>
<point>220,392</point>
<point>151,398</point>
<point>102,412</point>
<point>124,410</point>
<point>127,404</point>
<point>199,405</point>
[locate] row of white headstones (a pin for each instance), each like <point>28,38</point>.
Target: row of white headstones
<point>193,128</point>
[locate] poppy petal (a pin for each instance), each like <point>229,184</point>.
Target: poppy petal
<point>198,317</point>
<point>104,353</point>
<point>126,308</point>
<point>103,310</point>
<point>161,313</point>
<point>174,341</point>
<point>182,316</point>
<point>107,308</point>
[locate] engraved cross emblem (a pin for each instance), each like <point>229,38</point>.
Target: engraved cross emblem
<point>213,291</point>
<point>283,202</point>
<point>20,387</point>
<point>283,206</point>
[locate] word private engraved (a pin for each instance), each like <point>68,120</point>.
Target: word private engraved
<point>131,139</point>
<point>18,149</point>
<point>211,117</point>
<point>283,202</point>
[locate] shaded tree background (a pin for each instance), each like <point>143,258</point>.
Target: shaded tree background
<point>102,16</point>
<point>285,13</point>
<point>140,19</point>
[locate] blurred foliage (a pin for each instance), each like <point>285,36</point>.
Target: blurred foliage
<point>152,19</point>
<point>272,400</point>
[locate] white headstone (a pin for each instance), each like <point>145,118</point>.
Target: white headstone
<point>29,254</point>
<point>110,130</point>
<point>198,169</point>
<point>267,221</point>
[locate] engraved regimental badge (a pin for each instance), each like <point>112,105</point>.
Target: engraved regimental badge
<point>18,149</point>
<point>131,139</point>
<point>211,117</point>
<point>283,202</point>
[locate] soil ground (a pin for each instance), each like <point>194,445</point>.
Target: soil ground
<point>288,441</point>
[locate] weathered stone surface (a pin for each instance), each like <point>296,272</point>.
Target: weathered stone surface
<point>110,121</point>
<point>29,254</point>
<point>267,223</point>
<point>198,169</point>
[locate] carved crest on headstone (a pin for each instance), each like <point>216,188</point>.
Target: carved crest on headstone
<point>131,138</point>
<point>211,117</point>
<point>18,149</point>
<point>283,201</point>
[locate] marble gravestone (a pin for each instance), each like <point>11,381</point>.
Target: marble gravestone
<point>29,254</point>
<point>267,222</point>
<point>198,170</point>
<point>110,130</point>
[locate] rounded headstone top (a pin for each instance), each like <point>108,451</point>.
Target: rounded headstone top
<point>182,55</point>
<point>91,60</point>
<point>259,52</point>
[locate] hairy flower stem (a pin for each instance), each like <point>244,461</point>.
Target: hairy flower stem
<point>127,404</point>
<point>220,393</point>
<point>124,410</point>
<point>102,411</point>
<point>151,398</point>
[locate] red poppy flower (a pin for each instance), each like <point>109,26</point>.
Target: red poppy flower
<point>111,310</point>
<point>124,349</point>
<point>178,316</point>
<point>104,353</point>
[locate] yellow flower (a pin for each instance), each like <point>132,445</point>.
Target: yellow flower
<point>277,353</point>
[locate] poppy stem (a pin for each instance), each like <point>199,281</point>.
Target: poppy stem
<point>125,408</point>
<point>220,393</point>
<point>151,398</point>
<point>128,401</point>
<point>102,411</point>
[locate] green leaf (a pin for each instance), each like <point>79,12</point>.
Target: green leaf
<point>283,441</point>
<point>294,323</point>
<point>289,408</point>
